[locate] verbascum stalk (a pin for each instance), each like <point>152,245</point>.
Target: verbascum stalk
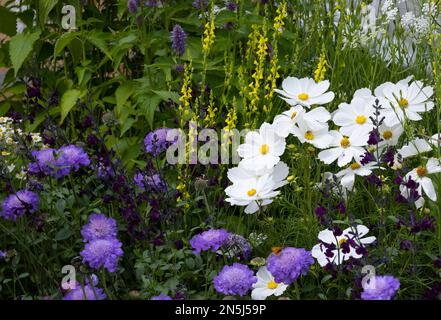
<point>320,71</point>
<point>208,36</point>
<point>210,117</point>
<point>184,106</point>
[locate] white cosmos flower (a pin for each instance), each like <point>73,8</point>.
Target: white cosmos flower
<point>354,118</point>
<point>318,137</point>
<point>404,100</point>
<point>266,286</point>
<point>337,256</point>
<point>414,148</point>
<point>419,175</point>
<point>347,176</point>
<point>253,190</point>
<point>436,139</point>
<point>285,123</point>
<point>390,134</point>
<point>344,148</point>
<point>305,91</point>
<point>261,149</point>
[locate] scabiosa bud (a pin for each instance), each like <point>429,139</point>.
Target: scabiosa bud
<point>237,246</point>
<point>102,253</point>
<point>178,38</point>
<point>132,5</point>
<point>287,265</point>
<point>179,68</point>
<point>212,240</point>
<point>234,280</point>
<point>380,288</point>
<point>20,203</point>
<point>231,5</point>
<point>99,227</point>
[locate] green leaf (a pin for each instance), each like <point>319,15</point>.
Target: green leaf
<point>8,19</point>
<point>148,107</point>
<point>45,7</point>
<point>97,39</point>
<point>63,41</point>
<point>63,234</point>
<point>68,100</point>
<point>19,48</point>
<point>165,95</point>
<point>123,92</point>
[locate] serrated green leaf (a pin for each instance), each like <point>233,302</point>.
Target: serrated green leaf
<point>97,39</point>
<point>123,92</point>
<point>68,101</point>
<point>165,95</point>
<point>63,41</point>
<point>19,48</point>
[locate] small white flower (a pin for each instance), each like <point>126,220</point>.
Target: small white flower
<point>415,147</point>
<point>404,100</point>
<point>390,134</point>
<point>419,175</point>
<point>344,148</point>
<point>305,91</point>
<point>319,138</point>
<point>337,256</point>
<point>347,176</point>
<point>261,149</point>
<point>266,286</point>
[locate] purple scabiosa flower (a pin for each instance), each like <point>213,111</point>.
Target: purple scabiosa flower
<point>99,227</point>
<point>380,288</point>
<point>237,246</point>
<point>178,38</point>
<point>16,205</point>
<point>102,253</point>
<point>44,162</point>
<point>234,280</point>
<point>151,183</point>
<point>211,239</point>
<point>3,254</point>
<point>289,264</point>
<point>156,141</point>
<point>132,5</point>
<point>71,157</point>
<point>197,4</point>
<point>87,292</point>
<point>161,297</point>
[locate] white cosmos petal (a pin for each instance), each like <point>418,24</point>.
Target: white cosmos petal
<point>428,188</point>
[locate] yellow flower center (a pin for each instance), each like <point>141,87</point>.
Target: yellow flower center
<point>309,135</point>
<point>355,166</point>
<point>272,284</point>
<point>421,171</point>
<point>264,149</point>
<point>345,142</point>
<point>341,241</point>
<point>303,96</point>
<point>360,119</point>
<point>387,134</point>
<point>403,103</point>
<point>251,192</point>
<point>294,114</point>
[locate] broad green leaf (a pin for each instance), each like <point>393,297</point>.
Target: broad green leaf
<point>8,19</point>
<point>97,39</point>
<point>45,7</point>
<point>68,101</point>
<point>63,41</point>
<point>165,95</point>
<point>19,48</point>
<point>123,92</point>
<point>148,107</point>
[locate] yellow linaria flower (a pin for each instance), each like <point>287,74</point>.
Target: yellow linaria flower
<point>320,71</point>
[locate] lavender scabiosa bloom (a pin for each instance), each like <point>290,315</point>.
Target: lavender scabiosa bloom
<point>380,288</point>
<point>156,141</point>
<point>3,254</point>
<point>178,38</point>
<point>132,5</point>
<point>161,297</point>
<point>85,293</point>
<point>211,239</point>
<point>16,205</point>
<point>102,253</point>
<point>44,162</point>
<point>234,280</point>
<point>99,227</point>
<point>289,264</point>
<point>237,246</point>
<point>151,183</point>
<point>71,157</point>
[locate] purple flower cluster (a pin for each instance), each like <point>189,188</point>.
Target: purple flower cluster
<point>102,248</point>
<point>20,203</point>
<point>211,239</point>
<point>156,141</point>
<point>287,265</point>
<point>380,288</point>
<point>87,292</point>
<point>178,38</point>
<point>58,163</point>
<point>234,280</point>
<point>161,297</point>
<point>150,183</point>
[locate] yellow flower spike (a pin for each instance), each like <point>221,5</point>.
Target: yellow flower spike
<point>320,71</point>
<point>208,36</point>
